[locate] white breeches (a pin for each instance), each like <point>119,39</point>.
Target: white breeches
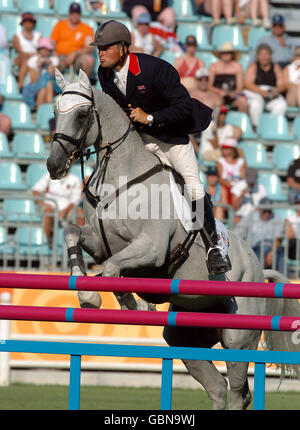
<point>181,158</point>
<point>257,104</point>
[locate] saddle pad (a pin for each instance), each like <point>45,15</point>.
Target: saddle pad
<point>183,212</point>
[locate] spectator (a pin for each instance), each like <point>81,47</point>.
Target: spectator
<point>291,76</point>
<point>71,38</point>
<point>65,194</point>
<point>226,77</point>
<point>216,9</point>
<point>217,193</point>
<point>25,43</point>
<point>188,63</point>
<point>254,9</point>
<point>5,121</point>
<point>281,44</point>
<point>265,231</point>
<point>4,48</point>
<point>202,91</point>
<point>247,195</point>
<point>159,11</point>
<point>142,39</point>
<point>293,181</point>
<point>96,6</point>
<point>216,133</point>
<point>231,166</point>
<point>264,84</point>
<point>41,69</point>
<point>292,231</point>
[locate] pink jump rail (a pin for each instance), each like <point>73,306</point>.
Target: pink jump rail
<point>155,286</point>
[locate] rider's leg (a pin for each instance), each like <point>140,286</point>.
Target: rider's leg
<point>182,159</point>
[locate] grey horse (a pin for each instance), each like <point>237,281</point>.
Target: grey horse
<point>139,247</point>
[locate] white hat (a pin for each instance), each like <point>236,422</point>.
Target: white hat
<point>201,73</point>
<point>229,142</point>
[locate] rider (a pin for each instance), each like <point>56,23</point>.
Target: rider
<point>150,92</point>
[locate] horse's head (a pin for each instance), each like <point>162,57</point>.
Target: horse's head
<point>76,124</point>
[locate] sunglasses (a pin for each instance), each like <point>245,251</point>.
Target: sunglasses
<point>205,78</point>
<point>277,25</point>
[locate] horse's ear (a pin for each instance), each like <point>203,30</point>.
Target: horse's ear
<point>84,81</point>
<point>60,80</point>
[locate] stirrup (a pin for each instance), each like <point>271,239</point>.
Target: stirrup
<point>222,267</point>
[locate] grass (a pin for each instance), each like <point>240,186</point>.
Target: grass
<point>54,397</point>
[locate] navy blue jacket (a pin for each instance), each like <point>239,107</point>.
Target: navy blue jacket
<point>154,86</point>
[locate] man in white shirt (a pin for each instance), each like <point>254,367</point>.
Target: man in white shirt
<point>61,195</point>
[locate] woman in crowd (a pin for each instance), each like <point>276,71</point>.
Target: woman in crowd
<point>25,43</point>
<point>216,191</point>
<point>188,63</point>
<point>226,77</point>
<point>291,75</point>
<point>142,40</point>
<point>264,84</point>
<point>217,9</point>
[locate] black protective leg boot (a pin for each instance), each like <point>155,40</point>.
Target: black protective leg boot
<point>216,263</point>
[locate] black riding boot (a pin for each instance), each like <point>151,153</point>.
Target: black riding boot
<point>216,263</point>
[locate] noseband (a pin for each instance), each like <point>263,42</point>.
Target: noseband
<point>79,143</point>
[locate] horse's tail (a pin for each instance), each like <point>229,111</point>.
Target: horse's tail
<point>283,340</point>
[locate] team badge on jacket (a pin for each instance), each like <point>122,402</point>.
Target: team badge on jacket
<point>142,88</point>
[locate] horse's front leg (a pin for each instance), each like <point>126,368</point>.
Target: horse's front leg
<point>73,235</point>
<point>142,252</point>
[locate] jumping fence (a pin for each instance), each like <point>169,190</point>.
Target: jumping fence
<point>162,318</point>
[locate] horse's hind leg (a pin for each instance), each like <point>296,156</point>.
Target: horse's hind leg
<point>72,235</point>
<point>211,379</point>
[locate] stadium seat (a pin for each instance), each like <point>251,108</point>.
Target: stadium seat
<point>242,120</point>
<point>4,148</point>
<point>76,170</point>
<point>20,210</point>
<point>8,6</point>
<point>11,177</point>
<point>34,173</point>
<point>244,61</point>
<point>19,113</point>
<point>273,127</point>
<point>5,247</point>
<point>284,154</point>
<point>255,155</point>
<point>296,128</point>
<point>45,24</point>
<point>273,185</point>
<point>283,213</point>
<point>44,114</point>
<point>207,57</point>
<point>114,9</point>
<point>12,24</point>
<point>9,88</point>
<point>228,33</point>
<point>197,30</point>
<point>29,145</point>
<point>169,56</point>
<point>203,178</point>
<point>255,33</point>
<point>184,10</point>
<point>5,66</point>
<point>31,241</point>
<point>62,7</point>
<point>36,7</point>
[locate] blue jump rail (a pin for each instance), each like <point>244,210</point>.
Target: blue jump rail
<point>166,353</point>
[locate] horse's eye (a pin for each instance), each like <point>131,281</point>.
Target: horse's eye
<point>81,115</point>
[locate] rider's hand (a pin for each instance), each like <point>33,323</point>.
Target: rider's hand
<point>138,115</point>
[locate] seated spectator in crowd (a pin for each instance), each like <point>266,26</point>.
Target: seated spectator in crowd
<point>25,43</point>
<point>65,194</point>
<point>282,45</point>
<point>226,77</point>
<point>292,231</point>
<point>291,76</point>
<point>142,40</point>
<point>254,9</point>
<point>264,84</point>
<point>265,231</point>
<point>202,91</point>
<point>158,9</point>
<point>188,63</point>
<point>71,38</point>
<point>293,181</point>
<point>217,132</point>
<point>5,121</point>
<point>4,47</point>
<point>41,68</point>
<point>95,6</point>
<point>247,195</point>
<point>217,9</point>
<point>216,191</point>
<point>231,166</point>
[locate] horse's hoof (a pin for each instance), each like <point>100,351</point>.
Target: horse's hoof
<point>142,305</point>
<point>89,299</point>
